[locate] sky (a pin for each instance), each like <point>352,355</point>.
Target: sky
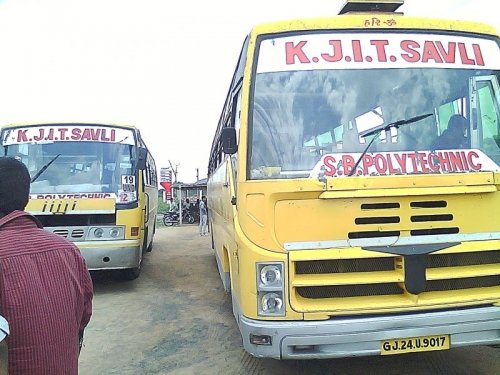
<point>164,66</point>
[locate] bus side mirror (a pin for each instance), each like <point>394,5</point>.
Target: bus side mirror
<point>142,154</point>
<point>228,140</point>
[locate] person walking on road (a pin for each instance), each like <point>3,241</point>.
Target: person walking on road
<point>203,216</point>
<point>46,290</point>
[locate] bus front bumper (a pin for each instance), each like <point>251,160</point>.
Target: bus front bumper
<point>107,255</point>
<point>363,336</point>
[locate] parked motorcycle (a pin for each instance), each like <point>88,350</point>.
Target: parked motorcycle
<point>171,218</point>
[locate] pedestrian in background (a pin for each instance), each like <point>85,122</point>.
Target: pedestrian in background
<point>203,216</point>
<point>45,288</point>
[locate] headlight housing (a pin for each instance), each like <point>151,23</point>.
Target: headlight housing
<point>98,232</point>
<point>271,275</point>
<point>106,233</point>
<point>270,289</point>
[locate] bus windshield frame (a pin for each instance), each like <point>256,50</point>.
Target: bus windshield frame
<point>75,165</point>
<point>315,96</point>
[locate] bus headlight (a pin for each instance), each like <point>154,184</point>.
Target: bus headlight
<point>104,233</point>
<point>114,232</point>
<point>272,303</point>
<point>98,232</point>
<point>270,289</point>
<point>271,274</point>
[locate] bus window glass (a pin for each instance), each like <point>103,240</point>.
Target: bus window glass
<point>489,118</point>
<point>299,116</point>
<point>76,159</point>
<point>79,168</point>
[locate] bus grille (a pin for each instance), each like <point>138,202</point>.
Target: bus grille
<point>341,291</point>
<point>71,234</point>
<point>424,216</point>
<point>346,275</point>
<point>340,280</point>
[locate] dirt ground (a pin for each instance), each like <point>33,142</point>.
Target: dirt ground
<point>176,319</point>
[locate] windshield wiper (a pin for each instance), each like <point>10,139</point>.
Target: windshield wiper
<point>33,179</point>
<point>378,129</point>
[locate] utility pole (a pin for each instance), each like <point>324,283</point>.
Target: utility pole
<point>174,171</point>
<point>197,174</point>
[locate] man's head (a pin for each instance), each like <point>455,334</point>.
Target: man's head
<point>457,129</point>
<point>14,185</point>
<point>203,198</point>
<point>457,124</point>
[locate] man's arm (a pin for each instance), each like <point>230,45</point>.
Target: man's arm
<point>88,295</point>
<point>86,287</point>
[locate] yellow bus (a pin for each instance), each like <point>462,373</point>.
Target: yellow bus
<point>353,185</point>
<point>94,184</point>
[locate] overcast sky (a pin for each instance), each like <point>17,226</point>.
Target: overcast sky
<point>162,65</point>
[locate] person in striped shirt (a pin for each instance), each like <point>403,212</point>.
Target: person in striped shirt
<point>46,290</point>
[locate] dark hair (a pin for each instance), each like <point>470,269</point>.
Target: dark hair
<point>14,185</point>
<point>457,123</point>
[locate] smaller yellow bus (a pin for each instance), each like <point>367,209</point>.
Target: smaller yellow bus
<point>94,184</point>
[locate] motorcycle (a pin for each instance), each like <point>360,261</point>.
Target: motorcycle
<point>171,218</point>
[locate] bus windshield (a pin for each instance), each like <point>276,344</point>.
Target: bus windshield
<point>77,167</point>
<point>310,122</point>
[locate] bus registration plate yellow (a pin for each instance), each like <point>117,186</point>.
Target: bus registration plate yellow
<point>415,344</point>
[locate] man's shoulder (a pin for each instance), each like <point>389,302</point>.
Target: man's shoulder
<point>35,240</point>
<point>57,242</point>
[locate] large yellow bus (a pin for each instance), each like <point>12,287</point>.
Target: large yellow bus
<point>353,185</point>
<point>94,184</point>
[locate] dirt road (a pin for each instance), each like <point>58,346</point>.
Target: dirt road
<point>176,319</point>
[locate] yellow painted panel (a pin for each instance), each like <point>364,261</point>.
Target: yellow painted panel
<point>413,181</point>
<point>365,21</point>
<point>462,272</point>
<point>351,253</point>
<point>351,278</point>
<point>390,192</point>
<point>65,206</point>
<point>395,303</point>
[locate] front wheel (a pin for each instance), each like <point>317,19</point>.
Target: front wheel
<point>131,273</point>
<point>190,219</point>
<point>168,221</point>
<point>134,273</point>
<point>149,248</point>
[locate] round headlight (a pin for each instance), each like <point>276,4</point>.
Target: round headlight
<point>114,232</point>
<point>98,232</point>
<point>270,274</point>
<point>271,302</point>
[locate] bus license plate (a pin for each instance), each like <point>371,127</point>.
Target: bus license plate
<point>415,344</point>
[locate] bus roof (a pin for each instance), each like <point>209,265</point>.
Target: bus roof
<point>373,21</point>
<point>29,124</point>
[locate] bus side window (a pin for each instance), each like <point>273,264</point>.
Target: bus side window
<point>490,135</point>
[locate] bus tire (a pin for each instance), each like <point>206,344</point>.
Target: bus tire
<point>134,273</point>
<point>149,248</point>
<point>131,273</point>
